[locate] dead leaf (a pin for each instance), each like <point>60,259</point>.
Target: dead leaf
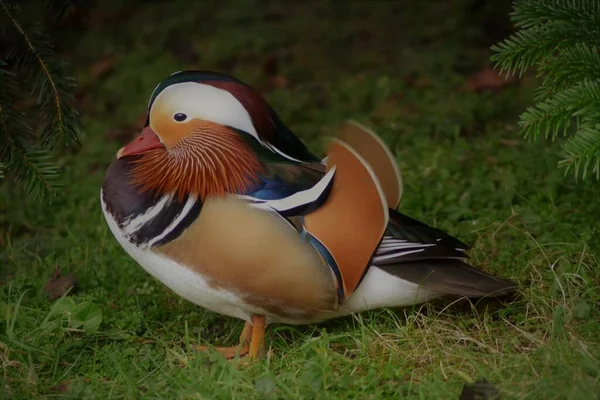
<point>480,390</point>
<point>511,142</point>
<point>104,66</point>
<point>490,160</point>
<point>487,79</point>
<point>59,284</point>
<point>388,108</point>
<point>278,82</point>
<point>62,387</point>
<point>271,66</point>
<point>418,81</point>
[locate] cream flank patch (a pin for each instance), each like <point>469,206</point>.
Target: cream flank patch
<point>250,252</point>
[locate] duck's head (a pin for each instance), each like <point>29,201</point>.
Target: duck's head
<point>178,107</point>
<point>200,134</point>
<point>186,97</point>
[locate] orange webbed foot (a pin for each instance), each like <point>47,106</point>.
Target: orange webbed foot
<point>231,352</point>
<point>251,344</point>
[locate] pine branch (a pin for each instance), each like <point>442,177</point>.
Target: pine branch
<point>28,65</point>
<point>583,13</point>
<point>583,151</point>
<point>30,166</point>
<point>529,46</point>
<point>34,170</point>
<point>570,66</point>
<point>49,82</point>
<point>555,115</point>
<point>561,38</point>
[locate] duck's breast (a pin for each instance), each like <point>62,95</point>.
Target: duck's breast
<point>141,221</point>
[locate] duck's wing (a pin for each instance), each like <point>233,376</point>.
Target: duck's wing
<point>407,239</point>
<point>304,196</point>
<point>343,214</point>
<point>421,254</point>
<point>352,221</point>
<point>374,150</point>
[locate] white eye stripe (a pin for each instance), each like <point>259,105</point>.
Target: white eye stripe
<point>205,102</point>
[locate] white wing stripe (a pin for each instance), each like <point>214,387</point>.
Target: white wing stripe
<point>281,153</point>
<point>297,199</point>
<point>404,246</point>
<point>397,243</point>
<point>377,259</point>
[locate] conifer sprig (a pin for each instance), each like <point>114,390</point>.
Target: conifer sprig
<point>561,38</point>
<point>30,68</point>
<point>31,166</point>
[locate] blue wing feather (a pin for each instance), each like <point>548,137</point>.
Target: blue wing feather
<point>272,188</point>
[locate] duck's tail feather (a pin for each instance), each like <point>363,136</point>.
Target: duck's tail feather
<point>451,277</point>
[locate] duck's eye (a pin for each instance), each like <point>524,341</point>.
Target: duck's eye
<point>180,117</point>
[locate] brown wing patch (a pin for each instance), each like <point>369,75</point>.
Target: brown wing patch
<point>257,256</point>
<point>377,154</point>
<point>352,221</point>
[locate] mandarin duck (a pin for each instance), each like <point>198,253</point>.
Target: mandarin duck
<point>221,202</point>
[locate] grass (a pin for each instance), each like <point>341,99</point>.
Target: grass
<point>398,67</point>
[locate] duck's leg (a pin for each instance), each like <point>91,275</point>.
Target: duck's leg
<point>257,341</point>
<point>240,350</point>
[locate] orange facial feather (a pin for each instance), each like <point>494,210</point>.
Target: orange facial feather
<point>210,161</point>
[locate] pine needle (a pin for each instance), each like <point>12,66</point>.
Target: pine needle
<point>560,38</point>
